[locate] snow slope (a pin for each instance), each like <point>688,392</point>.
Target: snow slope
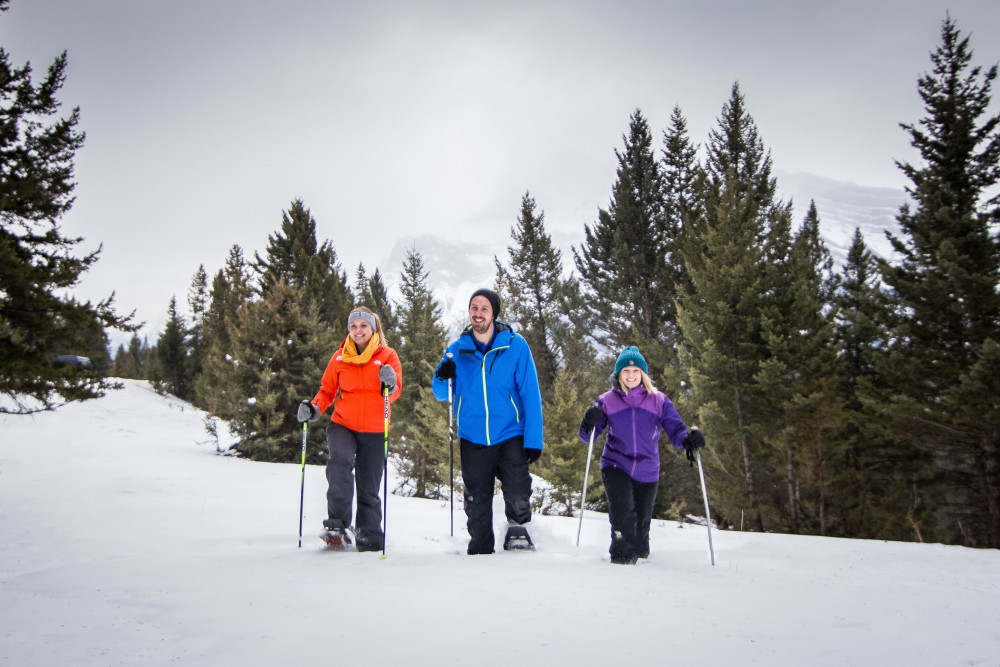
<point>127,541</point>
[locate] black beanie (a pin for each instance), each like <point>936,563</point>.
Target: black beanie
<point>491,296</point>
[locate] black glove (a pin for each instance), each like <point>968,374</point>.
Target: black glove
<point>532,454</point>
<point>387,377</point>
<point>591,418</point>
<point>307,412</point>
<point>694,441</point>
<point>446,370</point>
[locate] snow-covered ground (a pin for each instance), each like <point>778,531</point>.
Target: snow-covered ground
<point>127,541</point>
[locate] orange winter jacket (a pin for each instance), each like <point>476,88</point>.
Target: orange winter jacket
<point>351,383</point>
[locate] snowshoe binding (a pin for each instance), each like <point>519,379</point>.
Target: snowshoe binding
<point>517,539</point>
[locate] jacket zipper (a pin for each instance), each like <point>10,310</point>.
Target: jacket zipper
<point>635,444</point>
<point>486,404</point>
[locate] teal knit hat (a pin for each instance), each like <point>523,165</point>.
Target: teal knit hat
<point>630,356</point>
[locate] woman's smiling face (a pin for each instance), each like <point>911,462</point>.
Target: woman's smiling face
<point>360,332</point>
<point>631,376</point>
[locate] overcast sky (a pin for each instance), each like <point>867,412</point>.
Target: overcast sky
<point>205,119</point>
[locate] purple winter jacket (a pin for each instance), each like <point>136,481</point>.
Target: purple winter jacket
<point>634,421</point>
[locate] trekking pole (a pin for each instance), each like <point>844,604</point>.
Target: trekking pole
<point>586,479</point>
<point>451,454</point>
<point>385,487</point>
<point>302,493</point>
<point>708,514</point>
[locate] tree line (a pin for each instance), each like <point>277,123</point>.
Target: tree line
<point>855,401</point>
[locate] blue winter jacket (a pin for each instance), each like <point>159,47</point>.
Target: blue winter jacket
<point>634,421</point>
<point>496,395</point>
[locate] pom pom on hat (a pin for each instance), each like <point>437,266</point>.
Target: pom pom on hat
<point>631,356</point>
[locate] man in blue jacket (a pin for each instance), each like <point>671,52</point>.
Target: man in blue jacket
<point>498,416</point>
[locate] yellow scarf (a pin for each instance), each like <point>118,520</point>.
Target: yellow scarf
<point>350,354</point>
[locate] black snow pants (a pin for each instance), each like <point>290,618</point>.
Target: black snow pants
<point>630,511</point>
<point>355,458</point>
<point>482,464</point>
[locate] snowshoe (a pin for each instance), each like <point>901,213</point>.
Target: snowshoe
<point>517,539</point>
<point>338,539</point>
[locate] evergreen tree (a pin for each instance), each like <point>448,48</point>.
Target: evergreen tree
<point>564,461</point>
<point>571,333</point>
<point>131,362</point>
<point>873,498</point>
<point>799,375</point>
<point>423,457</point>
<point>294,255</point>
<point>231,294</point>
<point>39,319</point>
<point>720,314</point>
<point>421,342</point>
<point>290,250</point>
<point>946,288</point>
<point>280,348</point>
<point>532,285</point>
<point>198,298</point>
<point>622,260</point>
<point>682,176</point>
<point>172,354</point>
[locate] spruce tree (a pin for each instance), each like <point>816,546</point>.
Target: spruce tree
<point>198,298</point>
<point>421,343</point>
<point>622,259</point>
<point>294,255</point>
<point>799,376</point>
<point>172,354</point>
<point>720,313</point>
<point>289,250</point>
<point>682,182</point>
<point>230,294</point>
<point>39,317</point>
<point>873,499</point>
<point>946,288</point>
<point>130,362</point>
<point>533,286</point>
<point>564,460</point>
<point>280,348</point>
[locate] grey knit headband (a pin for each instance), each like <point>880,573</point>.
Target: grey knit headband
<point>361,315</point>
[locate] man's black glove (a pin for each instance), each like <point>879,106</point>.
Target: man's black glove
<point>387,377</point>
<point>307,412</point>
<point>446,370</point>
<point>592,416</point>
<point>532,454</point>
<point>694,440</point>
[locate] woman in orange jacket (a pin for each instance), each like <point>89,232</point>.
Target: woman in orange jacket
<point>354,382</point>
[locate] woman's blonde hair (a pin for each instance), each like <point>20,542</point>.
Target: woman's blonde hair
<point>378,321</point>
<point>646,381</point>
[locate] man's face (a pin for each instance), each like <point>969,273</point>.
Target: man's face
<point>480,314</point>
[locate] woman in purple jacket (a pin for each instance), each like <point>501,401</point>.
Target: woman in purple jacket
<point>633,412</point>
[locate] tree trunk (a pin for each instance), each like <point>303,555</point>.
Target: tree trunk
<point>793,501</point>
<point>755,516</point>
<point>821,473</point>
<point>991,478</point>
